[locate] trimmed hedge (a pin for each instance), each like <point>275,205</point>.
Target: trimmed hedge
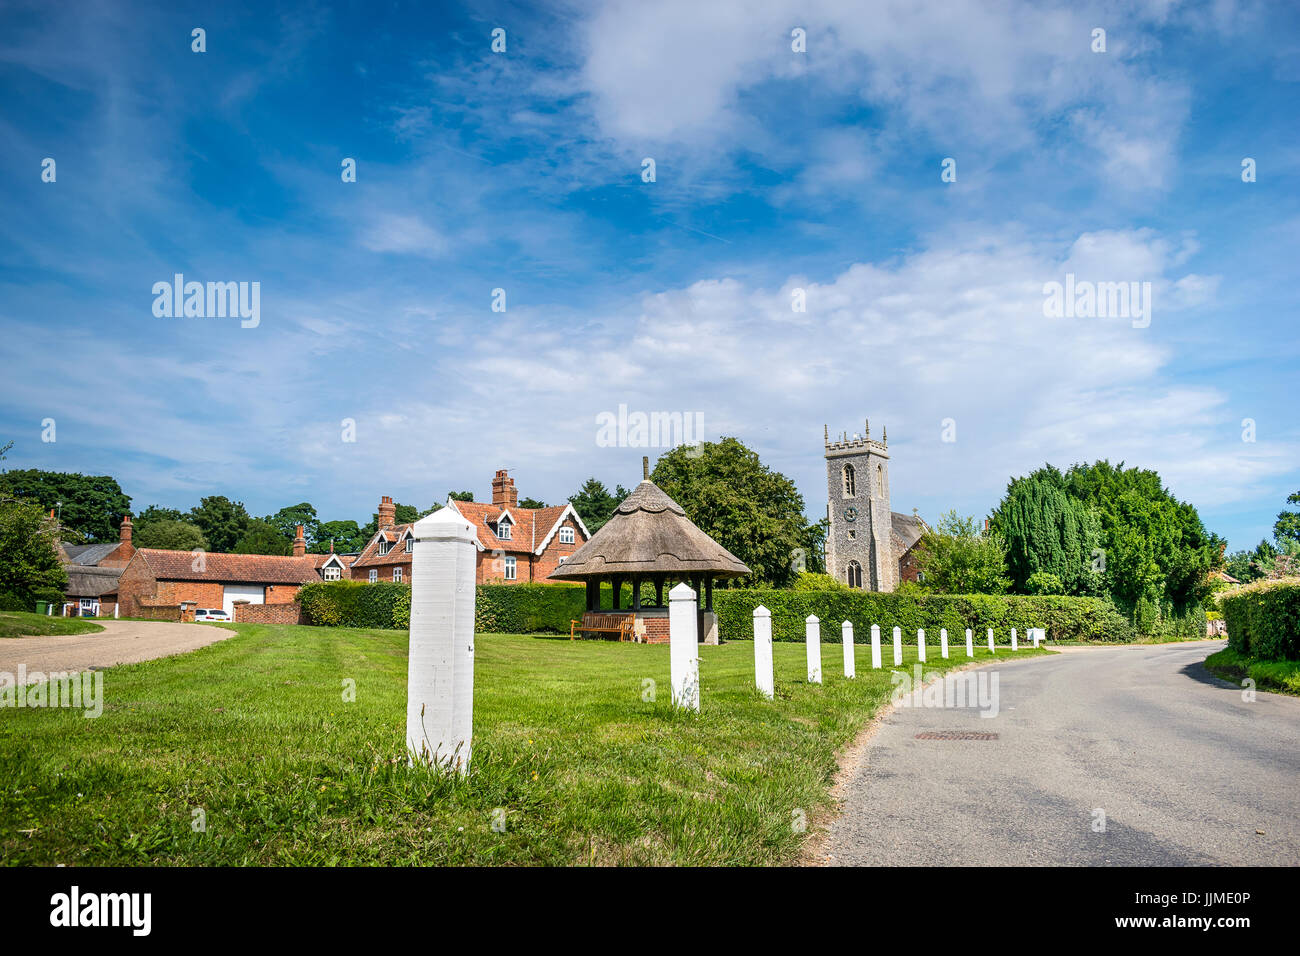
<point>1065,618</point>
<point>1263,619</point>
<point>356,604</point>
<point>529,608</point>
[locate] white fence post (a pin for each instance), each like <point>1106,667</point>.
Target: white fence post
<point>1013,638</point>
<point>846,637</point>
<point>898,646</point>
<point>813,638</point>
<point>875,647</point>
<point>1035,632</point>
<point>943,642</point>
<point>684,647</point>
<point>970,643</point>
<point>920,645</point>
<point>763,652</point>
<point>990,640</point>
<point>440,667</point>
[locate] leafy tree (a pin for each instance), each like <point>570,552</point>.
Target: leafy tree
<point>346,537</point>
<point>222,521</point>
<point>1044,582</point>
<point>814,547</point>
<point>1157,550</point>
<point>171,534</point>
<point>402,514</point>
<point>595,505</point>
<point>262,537</point>
<point>286,522</point>
<point>29,557</point>
<point>457,496</point>
<point>531,503</point>
<point>157,513</point>
<point>1287,527</point>
<point>89,507</point>
<point>1046,530</point>
<point>752,511</point>
<point>954,558</point>
<point>4,449</point>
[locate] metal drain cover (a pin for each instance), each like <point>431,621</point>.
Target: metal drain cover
<point>955,735</point>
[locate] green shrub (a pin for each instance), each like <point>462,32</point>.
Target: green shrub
<point>809,581</point>
<point>1263,619</point>
<point>1064,618</point>
<point>356,604</point>
<point>1044,582</point>
<point>531,608</point>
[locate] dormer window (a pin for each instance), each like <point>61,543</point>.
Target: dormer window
<point>385,545</point>
<point>503,528</point>
<point>566,536</point>
<point>410,542</point>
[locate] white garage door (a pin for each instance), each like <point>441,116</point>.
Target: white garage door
<point>252,593</point>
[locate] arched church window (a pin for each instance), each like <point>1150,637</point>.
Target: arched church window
<point>850,482</point>
<point>855,574</point>
<point>880,480</point>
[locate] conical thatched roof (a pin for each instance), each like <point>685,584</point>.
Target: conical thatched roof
<point>649,534</point>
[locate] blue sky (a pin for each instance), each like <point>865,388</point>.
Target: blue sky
<point>776,171</point>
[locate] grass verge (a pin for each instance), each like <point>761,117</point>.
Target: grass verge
<point>26,624</point>
<point>245,752</point>
<point>1281,676</point>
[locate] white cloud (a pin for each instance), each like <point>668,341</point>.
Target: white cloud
<point>405,234</point>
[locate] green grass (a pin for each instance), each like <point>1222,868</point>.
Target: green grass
<point>254,731</point>
<point>1282,676</point>
<point>26,624</point>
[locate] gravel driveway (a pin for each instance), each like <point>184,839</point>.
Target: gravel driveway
<point>121,642</point>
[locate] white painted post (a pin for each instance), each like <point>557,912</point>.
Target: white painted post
<point>943,642</point>
<point>763,652</point>
<point>684,647</point>
<point>920,645</point>
<point>846,638</point>
<point>875,647</point>
<point>1013,638</point>
<point>898,646</point>
<point>970,643</point>
<point>1035,632</point>
<point>440,667</point>
<point>991,650</point>
<point>116,607</point>
<point>813,638</point>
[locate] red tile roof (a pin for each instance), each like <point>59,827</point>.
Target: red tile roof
<point>530,528</point>
<point>235,568</point>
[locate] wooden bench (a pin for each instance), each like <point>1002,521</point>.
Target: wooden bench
<point>620,624</point>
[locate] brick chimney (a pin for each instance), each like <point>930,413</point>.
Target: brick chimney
<point>504,494</point>
<point>126,548</point>
<point>299,544</point>
<point>387,512</point>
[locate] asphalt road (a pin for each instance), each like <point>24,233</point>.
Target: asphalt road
<point>121,642</point>
<point>1185,771</point>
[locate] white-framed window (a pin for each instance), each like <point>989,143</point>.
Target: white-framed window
<point>410,543</point>
<point>384,545</point>
<point>566,536</point>
<point>397,574</point>
<point>510,568</point>
<point>332,573</point>
<point>503,529</point>
<point>374,575</point>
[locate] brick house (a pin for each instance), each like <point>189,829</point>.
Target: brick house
<point>514,544</point>
<point>155,577</point>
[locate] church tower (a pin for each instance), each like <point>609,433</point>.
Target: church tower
<point>859,544</point>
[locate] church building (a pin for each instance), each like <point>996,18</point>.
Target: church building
<point>868,546</point>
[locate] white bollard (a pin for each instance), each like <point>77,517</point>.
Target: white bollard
<point>1035,632</point>
<point>875,646</point>
<point>846,638</point>
<point>943,642</point>
<point>898,646</point>
<point>684,647</point>
<point>440,668</point>
<point>763,652</point>
<point>990,640</point>
<point>813,638</point>
<point>970,643</point>
<point>1013,638</point>
<point>920,645</point>
<point>116,608</point>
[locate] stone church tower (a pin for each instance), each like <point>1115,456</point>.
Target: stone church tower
<point>859,544</point>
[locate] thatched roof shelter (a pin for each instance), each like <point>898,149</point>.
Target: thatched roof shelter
<point>649,539</point>
<point>649,536</point>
